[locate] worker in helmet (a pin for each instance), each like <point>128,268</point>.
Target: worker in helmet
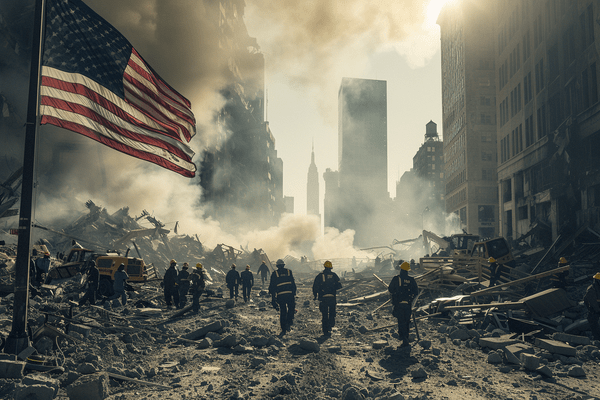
<point>282,288</point>
<point>495,271</point>
<point>325,286</point>
<point>197,285</point>
<point>263,270</point>
<point>404,290</point>
<point>42,266</point>
<point>170,285</point>
<point>592,302</point>
<point>232,279</point>
<point>559,280</point>
<point>247,279</point>
<point>92,282</point>
<point>183,280</point>
<point>120,284</point>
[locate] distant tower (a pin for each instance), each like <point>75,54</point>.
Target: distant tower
<point>312,187</point>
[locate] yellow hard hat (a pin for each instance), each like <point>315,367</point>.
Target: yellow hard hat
<point>562,260</point>
<point>328,264</point>
<point>232,265</point>
<point>491,260</point>
<point>597,276</point>
<point>247,266</point>
<point>405,266</point>
<point>173,262</point>
<point>198,265</point>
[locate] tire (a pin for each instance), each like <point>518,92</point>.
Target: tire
<point>105,288</point>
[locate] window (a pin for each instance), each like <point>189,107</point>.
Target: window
<point>485,213</point>
<point>553,67</point>
<point>522,213</point>
<point>537,31</point>
<point>541,121</point>
<point>586,22</point>
<point>539,76</point>
<point>486,156</point>
<point>569,44</point>
<point>529,134</point>
<point>486,119</point>
<point>488,174</point>
<point>485,101</point>
<point>527,91</point>
<point>526,46</point>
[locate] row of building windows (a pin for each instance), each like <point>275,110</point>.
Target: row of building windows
<point>455,182</point>
<point>457,198</point>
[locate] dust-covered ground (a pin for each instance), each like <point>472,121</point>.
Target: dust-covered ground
<point>246,358</point>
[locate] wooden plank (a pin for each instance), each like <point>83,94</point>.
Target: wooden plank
<point>509,305</point>
<point>127,379</point>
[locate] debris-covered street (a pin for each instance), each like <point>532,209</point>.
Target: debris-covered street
<point>521,339</point>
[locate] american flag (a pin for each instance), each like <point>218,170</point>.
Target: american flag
<point>95,83</point>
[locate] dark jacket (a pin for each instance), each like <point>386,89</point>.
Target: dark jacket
<point>184,279</point>
<point>93,278</point>
<point>592,298</point>
<point>247,278</point>
<point>197,279</point>
<point>170,278</point>
<point>120,279</point>
<point>282,282</point>
<point>232,278</point>
<point>263,270</point>
<point>326,284</point>
<point>403,288</point>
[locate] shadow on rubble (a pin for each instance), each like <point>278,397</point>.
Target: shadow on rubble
<point>397,361</point>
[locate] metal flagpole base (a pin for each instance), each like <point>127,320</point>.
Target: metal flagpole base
<point>15,345</point>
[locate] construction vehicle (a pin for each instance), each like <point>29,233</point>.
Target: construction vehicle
<point>78,261</point>
<point>458,243</point>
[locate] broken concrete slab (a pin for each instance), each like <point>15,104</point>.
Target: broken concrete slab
<point>197,334</point>
<point>572,339</point>
<point>519,348</point>
<point>496,343</point>
<point>37,392</point>
<point>555,347</point>
<point>530,362</point>
<point>11,369</point>
<point>548,302</point>
<point>89,387</point>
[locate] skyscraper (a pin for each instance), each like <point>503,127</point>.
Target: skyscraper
<point>312,187</point>
<point>362,159</point>
<point>469,114</point>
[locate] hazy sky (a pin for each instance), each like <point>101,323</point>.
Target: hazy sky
<point>309,48</point>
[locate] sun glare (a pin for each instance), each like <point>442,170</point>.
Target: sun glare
<point>433,10</point>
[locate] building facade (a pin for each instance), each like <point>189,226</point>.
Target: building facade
<point>469,114</point>
<point>548,130</point>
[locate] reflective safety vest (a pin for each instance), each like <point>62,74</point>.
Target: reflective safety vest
<point>285,281</point>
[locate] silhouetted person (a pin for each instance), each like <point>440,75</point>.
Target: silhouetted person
<point>247,278</point>
<point>232,279</point>
<point>282,288</point>
<point>325,287</point>
<point>404,289</point>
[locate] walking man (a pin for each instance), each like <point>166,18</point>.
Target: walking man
<point>592,302</point>
<point>263,270</point>
<point>404,290</point>
<point>119,285</point>
<point>282,288</point>
<point>42,266</point>
<point>170,281</point>
<point>325,286</point>
<point>93,280</point>
<point>198,283</point>
<point>247,278</point>
<point>232,279</point>
<point>184,284</point>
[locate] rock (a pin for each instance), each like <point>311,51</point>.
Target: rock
<point>230,303</point>
<point>243,349</point>
<point>461,334</point>
<point>395,396</point>
<point>205,343</point>
<point>310,345</point>
<point>362,329</point>
<point>257,361</point>
<point>89,387</point>
<point>38,379</point>
<point>227,341</point>
<point>44,345</point>
<point>212,327</point>
<point>436,352</point>
<point>419,373</point>
<point>530,362</point>
<point>34,392</point>
<point>352,393</point>
<point>86,368</point>
<point>473,334</point>
<point>494,358</point>
<point>289,378</point>
<point>544,371</point>
<point>425,344</point>
<point>576,371</point>
<point>259,341</point>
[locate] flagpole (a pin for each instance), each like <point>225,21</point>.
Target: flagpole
<point>18,339</point>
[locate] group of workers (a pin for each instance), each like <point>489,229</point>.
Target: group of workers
<point>178,284</point>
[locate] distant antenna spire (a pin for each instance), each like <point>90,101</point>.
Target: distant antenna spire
<point>312,155</point>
